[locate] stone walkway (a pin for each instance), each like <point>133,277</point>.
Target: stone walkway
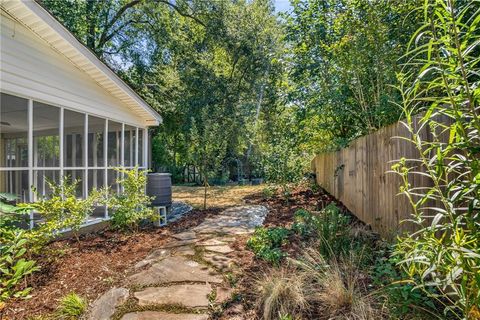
<point>186,275</point>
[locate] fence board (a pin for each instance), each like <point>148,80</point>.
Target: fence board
<point>358,176</point>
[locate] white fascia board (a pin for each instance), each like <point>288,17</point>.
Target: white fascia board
<point>77,53</point>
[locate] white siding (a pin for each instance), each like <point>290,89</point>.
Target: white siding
<point>31,68</point>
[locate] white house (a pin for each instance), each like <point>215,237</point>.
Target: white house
<point>62,110</point>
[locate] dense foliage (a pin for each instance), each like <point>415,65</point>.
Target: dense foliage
<point>244,89</point>
<point>445,251</point>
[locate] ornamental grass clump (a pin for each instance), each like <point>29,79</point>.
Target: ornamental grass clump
<point>71,306</point>
<point>444,251</point>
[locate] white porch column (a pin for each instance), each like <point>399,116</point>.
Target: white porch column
<point>30,156</point>
<point>85,158</point>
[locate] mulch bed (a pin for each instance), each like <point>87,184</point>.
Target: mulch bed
<point>281,213</point>
<point>92,265</point>
<point>102,260</point>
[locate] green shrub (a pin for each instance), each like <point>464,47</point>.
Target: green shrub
<point>266,243</point>
<point>330,226</point>
<point>268,192</point>
<point>14,267</point>
<point>71,306</point>
<point>402,296</point>
<point>132,204</point>
<point>59,210</point>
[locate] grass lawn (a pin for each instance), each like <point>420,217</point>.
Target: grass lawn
<point>217,197</point>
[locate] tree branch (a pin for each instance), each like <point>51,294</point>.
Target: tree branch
<point>180,12</point>
<point>116,17</point>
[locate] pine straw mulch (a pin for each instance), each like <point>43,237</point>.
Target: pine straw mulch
<point>89,267</point>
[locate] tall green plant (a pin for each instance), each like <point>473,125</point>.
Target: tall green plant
<point>444,252</point>
<point>14,267</point>
<point>132,204</point>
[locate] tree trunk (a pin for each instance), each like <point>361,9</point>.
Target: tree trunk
<point>91,24</point>
<point>205,184</point>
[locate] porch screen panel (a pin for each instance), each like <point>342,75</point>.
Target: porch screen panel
<point>41,180</point>
<point>14,146</point>
<point>114,149</point>
<point>112,179</point>
<point>130,146</point>
<point>15,182</point>
<point>46,135</point>
<point>13,131</point>
<point>96,133</point>
<point>78,177</point>
<point>74,131</point>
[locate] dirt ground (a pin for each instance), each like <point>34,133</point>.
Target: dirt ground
<point>223,196</point>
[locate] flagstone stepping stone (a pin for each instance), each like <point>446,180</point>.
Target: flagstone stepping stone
<point>211,242</point>
<point>157,315</point>
<point>178,243</point>
<point>226,239</point>
<point>219,249</point>
<point>153,257</point>
<point>104,307</point>
<point>219,261</point>
<point>175,269</point>
<point>236,220</point>
<point>188,295</point>
<point>185,250</point>
<point>185,235</point>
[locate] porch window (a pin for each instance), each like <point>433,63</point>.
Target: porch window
<point>41,142</point>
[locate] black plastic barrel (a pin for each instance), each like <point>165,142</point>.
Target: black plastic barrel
<point>159,186</point>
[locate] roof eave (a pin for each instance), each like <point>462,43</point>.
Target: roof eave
<point>83,54</point>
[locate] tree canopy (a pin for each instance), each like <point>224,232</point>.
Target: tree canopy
<point>237,81</point>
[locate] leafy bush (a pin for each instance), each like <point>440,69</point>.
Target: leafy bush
<point>266,243</point>
<point>268,192</point>
<point>402,297</point>
<point>71,306</point>
<point>132,204</point>
<point>329,225</point>
<point>14,268</point>
<point>59,210</point>
<point>444,251</point>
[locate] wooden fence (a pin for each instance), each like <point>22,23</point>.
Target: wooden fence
<point>358,176</point>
